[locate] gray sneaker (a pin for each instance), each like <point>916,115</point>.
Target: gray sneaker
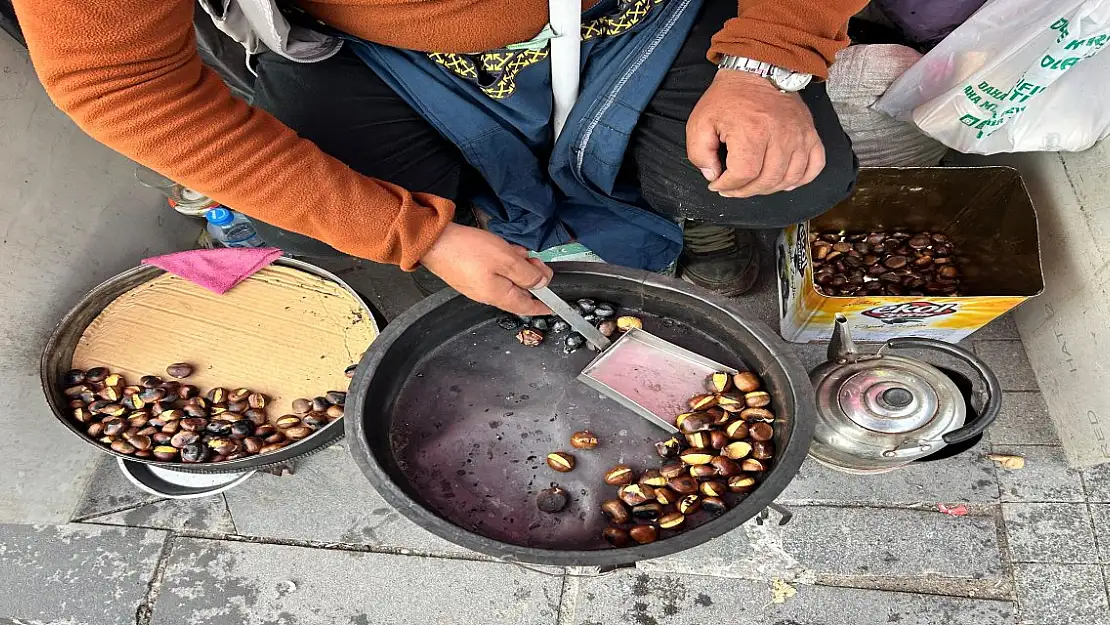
<point>719,258</point>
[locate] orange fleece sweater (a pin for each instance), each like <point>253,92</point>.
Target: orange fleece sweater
<point>127,72</point>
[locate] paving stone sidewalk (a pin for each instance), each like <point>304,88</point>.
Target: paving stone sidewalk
<point>319,546</point>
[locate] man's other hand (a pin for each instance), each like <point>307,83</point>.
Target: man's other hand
<point>487,269</point>
<point>770,140</point>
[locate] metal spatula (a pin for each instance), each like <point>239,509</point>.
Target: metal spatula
<point>650,376</point>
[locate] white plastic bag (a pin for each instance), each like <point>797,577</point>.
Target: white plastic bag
<point>1018,76</point>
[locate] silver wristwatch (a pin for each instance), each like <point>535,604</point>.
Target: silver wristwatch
<point>783,79</point>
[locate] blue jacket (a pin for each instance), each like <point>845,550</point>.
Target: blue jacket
<point>496,107</point>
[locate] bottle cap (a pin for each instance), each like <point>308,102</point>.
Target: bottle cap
<point>218,216</point>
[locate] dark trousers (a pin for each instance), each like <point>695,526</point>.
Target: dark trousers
<point>345,109</point>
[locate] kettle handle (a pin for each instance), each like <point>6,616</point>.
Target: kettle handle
<point>994,389</point>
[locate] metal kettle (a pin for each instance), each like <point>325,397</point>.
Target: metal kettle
<point>877,412</point>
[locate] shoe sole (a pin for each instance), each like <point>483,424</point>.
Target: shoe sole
<point>726,293</point>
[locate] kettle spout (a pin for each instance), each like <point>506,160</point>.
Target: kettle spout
<point>841,346</point>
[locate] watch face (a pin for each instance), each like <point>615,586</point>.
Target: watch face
<point>789,81</point>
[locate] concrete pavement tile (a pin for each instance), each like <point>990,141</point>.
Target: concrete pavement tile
<point>327,499</point>
<point>1096,481</point>
<point>662,599</point>
<point>1046,476</point>
<point>1002,328</point>
<point>968,477</point>
<point>109,491</point>
<point>75,573</point>
<point>811,354</point>
<point>215,582</point>
<point>1100,519</point>
<point>1050,532</point>
<point>1023,420</point>
<point>209,515</point>
<point>1061,594</point>
<point>1010,364</point>
<point>864,542</point>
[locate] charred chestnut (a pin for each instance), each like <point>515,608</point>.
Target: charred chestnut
<point>552,500</point>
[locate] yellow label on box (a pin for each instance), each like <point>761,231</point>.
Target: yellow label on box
<point>806,315</point>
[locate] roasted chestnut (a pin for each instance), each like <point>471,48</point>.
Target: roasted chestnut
<point>636,494</point>
<point>665,496</point>
<point>718,439</point>
<point>669,448</point>
<point>689,504</point>
<point>763,450</point>
<point>653,478</point>
<point>616,536</point>
<point>701,402</point>
<point>713,488</point>
<point>761,432</point>
<point>672,520</point>
<point>180,370</point>
<point>698,441</point>
<point>718,382</point>
<point>696,456</point>
<point>529,337</point>
<point>757,399</point>
<point>715,505</point>
<point>683,485</point>
<point>737,430</point>
<point>702,471</point>
<point>697,422</point>
<point>746,381</point>
<point>752,465</point>
<point>671,470</point>
<point>648,511</point>
<point>725,466</point>
<point>628,322</point>
<point>737,450</point>
<point>757,414</point>
<point>584,440</point>
<point>194,453</point>
<point>741,483</point>
<point>560,461</point>
<point>619,475</point>
<point>615,510</point>
<point>644,534</point>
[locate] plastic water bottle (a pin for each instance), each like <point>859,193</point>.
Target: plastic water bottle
<point>232,229</point>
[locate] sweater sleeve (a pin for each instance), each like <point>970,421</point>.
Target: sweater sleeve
<point>800,35</point>
<point>128,74</point>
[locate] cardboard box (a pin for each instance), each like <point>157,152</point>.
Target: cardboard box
<point>987,214</point>
<point>282,332</point>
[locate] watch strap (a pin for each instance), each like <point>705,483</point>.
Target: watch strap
<point>744,64</point>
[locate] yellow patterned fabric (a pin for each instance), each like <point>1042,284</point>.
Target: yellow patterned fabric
<point>495,72</point>
<point>612,25</point>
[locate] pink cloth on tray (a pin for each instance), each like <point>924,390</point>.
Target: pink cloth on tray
<point>217,269</point>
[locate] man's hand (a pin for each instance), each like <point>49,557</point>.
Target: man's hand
<point>485,268</point>
<point>769,136</point>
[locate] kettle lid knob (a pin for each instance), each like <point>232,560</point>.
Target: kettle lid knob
<point>897,397</point>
